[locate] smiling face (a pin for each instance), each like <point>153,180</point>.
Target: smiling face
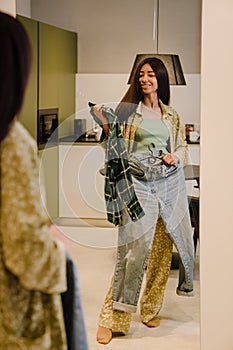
<point>147,80</point>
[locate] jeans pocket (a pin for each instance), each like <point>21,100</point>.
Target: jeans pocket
<point>170,169</point>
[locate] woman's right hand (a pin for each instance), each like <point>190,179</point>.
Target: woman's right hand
<point>97,109</point>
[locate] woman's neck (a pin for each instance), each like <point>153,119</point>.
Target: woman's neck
<point>152,103</point>
<point>151,109</point>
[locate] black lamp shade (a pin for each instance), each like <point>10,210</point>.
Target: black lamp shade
<point>171,62</point>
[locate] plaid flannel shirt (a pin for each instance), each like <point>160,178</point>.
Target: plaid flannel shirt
<point>119,189</point>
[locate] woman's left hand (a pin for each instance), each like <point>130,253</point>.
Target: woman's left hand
<point>170,159</point>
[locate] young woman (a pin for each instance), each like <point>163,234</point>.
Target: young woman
<point>33,260</point>
<point>157,151</point>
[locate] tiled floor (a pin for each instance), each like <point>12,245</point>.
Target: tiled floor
<point>179,327</point>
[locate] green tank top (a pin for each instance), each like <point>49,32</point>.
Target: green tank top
<point>152,132</point>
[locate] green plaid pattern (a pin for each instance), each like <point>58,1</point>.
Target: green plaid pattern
<point>119,189</point>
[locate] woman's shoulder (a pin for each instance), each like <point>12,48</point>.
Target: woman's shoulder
<point>170,113</point>
<point>18,137</point>
<point>19,145</point>
<point>168,109</point>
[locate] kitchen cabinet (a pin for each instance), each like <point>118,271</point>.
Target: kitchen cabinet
<point>49,180</point>
<point>194,154</point>
<point>28,113</point>
<point>51,85</point>
<point>52,80</point>
<point>194,159</point>
<point>82,212</point>
<point>57,66</point>
<point>81,186</point>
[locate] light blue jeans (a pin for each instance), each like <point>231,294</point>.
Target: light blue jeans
<point>161,191</point>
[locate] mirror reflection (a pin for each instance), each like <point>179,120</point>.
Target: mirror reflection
<point>75,197</point>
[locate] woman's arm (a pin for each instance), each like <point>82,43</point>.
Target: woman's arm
<point>179,147</point>
<point>30,250</point>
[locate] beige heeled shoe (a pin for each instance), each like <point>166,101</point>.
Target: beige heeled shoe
<point>155,322</point>
<point>104,335</point>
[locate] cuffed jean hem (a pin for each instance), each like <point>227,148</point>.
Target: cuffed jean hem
<point>124,307</point>
<point>183,293</point>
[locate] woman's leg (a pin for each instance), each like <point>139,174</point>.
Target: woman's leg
<point>158,268</point>
<point>135,240</point>
<point>111,320</point>
<point>175,214</point>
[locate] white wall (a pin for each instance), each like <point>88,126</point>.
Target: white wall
<point>23,8</point>
<point>8,6</point>
<point>108,88</point>
<point>216,252</point>
<point>110,33</point>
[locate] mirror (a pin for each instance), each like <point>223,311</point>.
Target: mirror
<point>105,57</point>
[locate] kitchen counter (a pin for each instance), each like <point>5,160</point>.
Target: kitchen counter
<point>74,139</point>
<point>193,142</point>
<point>81,186</point>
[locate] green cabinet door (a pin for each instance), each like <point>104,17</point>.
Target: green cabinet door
<point>28,113</point>
<point>51,85</point>
<point>52,79</point>
<point>57,69</point>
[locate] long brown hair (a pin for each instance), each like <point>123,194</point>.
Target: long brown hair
<point>15,63</point>
<point>134,94</point>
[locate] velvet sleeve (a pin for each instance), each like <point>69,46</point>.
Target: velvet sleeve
<point>29,250</point>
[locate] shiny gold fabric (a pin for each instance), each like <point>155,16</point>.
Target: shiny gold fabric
<point>32,263</point>
<point>158,268</point>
